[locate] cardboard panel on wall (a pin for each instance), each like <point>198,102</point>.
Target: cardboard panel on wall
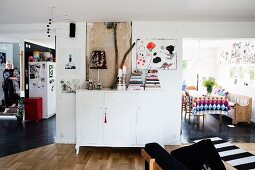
<point>99,38</point>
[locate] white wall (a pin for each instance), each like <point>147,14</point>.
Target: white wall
<point>8,49</point>
<point>226,82</point>
<point>16,56</point>
<point>65,103</point>
<point>171,80</point>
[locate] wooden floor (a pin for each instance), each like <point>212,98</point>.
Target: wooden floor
<point>62,156</point>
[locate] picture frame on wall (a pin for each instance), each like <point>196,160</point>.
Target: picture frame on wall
<point>159,54</point>
<point>51,71</point>
<point>2,59</point>
<point>70,85</point>
<point>70,60</point>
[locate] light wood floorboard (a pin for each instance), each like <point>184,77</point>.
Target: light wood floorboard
<point>62,156</point>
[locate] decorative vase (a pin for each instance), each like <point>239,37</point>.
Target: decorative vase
<point>209,90</point>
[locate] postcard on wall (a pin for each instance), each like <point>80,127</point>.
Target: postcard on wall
<point>70,85</point>
<point>51,71</point>
<point>37,74</point>
<point>2,59</point>
<point>70,61</point>
<point>156,54</point>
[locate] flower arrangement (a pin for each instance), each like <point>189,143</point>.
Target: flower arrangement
<point>20,111</point>
<point>209,83</point>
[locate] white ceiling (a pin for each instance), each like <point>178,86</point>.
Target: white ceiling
<point>38,11</point>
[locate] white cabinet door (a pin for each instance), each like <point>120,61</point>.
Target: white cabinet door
<point>150,118</point>
<point>120,110</point>
<point>89,117</point>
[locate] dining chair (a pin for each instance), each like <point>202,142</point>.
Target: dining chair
<point>183,106</point>
<point>188,105</point>
<point>188,109</point>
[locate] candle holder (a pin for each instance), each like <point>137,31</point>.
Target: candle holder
<point>119,86</point>
<point>124,73</point>
<point>124,82</point>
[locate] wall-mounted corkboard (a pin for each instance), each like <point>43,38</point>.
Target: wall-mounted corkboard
<point>99,38</point>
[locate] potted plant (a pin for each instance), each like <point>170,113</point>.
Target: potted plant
<point>209,83</point>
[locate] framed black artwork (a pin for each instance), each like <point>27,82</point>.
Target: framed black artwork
<point>2,58</point>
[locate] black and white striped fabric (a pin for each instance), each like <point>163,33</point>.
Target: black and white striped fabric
<point>233,155</point>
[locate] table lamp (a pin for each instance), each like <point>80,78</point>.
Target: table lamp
<point>98,61</point>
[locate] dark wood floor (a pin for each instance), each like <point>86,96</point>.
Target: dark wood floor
<point>17,137</point>
<point>242,132</point>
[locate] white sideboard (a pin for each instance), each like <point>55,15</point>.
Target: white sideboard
<point>119,118</point>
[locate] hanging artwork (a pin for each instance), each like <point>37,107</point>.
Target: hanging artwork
<point>252,73</point>
<point>98,60</point>
<point>2,59</point>
<point>70,62</point>
<point>70,86</point>
<point>239,53</point>
<point>52,84</point>
<point>156,54</point>
<point>37,74</point>
<point>51,71</point>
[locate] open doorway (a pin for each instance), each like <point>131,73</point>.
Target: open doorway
<point>30,133</point>
<point>230,64</point>
<point>9,68</point>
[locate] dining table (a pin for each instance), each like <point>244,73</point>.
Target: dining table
<point>209,104</point>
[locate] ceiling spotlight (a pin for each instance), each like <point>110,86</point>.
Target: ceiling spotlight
<point>49,22</point>
<point>48,26</point>
<point>48,35</point>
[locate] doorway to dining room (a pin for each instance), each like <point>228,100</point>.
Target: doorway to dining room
<point>231,64</point>
<point>18,136</point>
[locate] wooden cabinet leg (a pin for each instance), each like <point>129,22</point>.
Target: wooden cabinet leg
<point>77,147</point>
<point>220,118</point>
<point>203,119</point>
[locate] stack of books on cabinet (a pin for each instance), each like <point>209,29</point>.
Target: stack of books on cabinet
<point>152,81</point>
<point>136,81</point>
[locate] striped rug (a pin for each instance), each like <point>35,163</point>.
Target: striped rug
<point>233,155</point>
